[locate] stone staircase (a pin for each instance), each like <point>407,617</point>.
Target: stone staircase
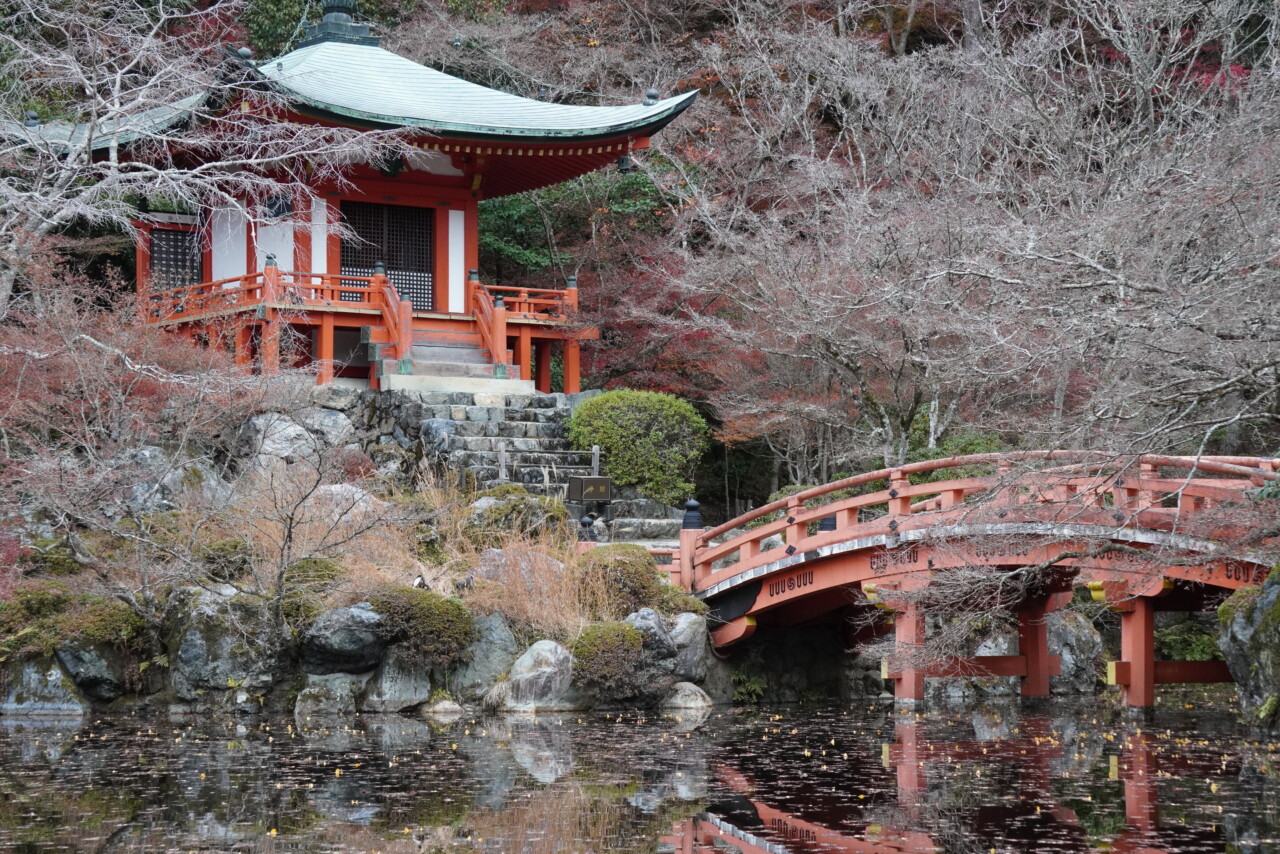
<point>446,360</point>
<point>504,438</point>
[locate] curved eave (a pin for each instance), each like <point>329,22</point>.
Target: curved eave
<point>646,126</point>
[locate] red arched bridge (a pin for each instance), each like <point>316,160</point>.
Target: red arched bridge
<point>1144,533</point>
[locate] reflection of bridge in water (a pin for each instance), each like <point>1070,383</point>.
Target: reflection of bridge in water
<point>1142,533</point>
<point>746,821</point>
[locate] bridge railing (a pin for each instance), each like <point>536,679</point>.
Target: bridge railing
<point>1120,485</point>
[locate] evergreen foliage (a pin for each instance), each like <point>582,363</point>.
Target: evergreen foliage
<point>649,440</point>
<point>621,579</point>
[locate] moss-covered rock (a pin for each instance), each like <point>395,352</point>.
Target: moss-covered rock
<point>606,661</point>
<point>1250,643</point>
<point>510,508</point>
<point>428,628</point>
<point>223,649</point>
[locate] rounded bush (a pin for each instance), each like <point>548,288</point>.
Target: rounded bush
<point>614,581</point>
<point>606,658</point>
<point>649,440</point>
<point>428,627</point>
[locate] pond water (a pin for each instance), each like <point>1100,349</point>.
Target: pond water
<point>799,779</point>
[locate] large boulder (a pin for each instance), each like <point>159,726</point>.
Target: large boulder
<point>1074,639</point>
<point>273,437</point>
<point>400,684</point>
<point>98,671</point>
<point>657,640</point>
<point>39,687</point>
<point>163,482</point>
<point>1250,642</point>
<point>686,697</point>
<point>540,680</point>
<point>332,427</point>
<point>693,647</point>
<point>486,660</point>
<point>327,696</point>
<point>344,640</point>
<point>223,650</point>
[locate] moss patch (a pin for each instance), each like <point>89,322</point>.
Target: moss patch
<point>1241,601</point>
<point>45,614</point>
<point>605,659</point>
<point>430,629</point>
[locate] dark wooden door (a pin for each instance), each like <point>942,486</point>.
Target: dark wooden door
<point>175,259</point>
<point>401,237</point>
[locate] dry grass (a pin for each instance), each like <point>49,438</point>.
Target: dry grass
<point>532,583</point>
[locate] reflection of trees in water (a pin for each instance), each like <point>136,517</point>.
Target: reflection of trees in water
<point>397,786</point>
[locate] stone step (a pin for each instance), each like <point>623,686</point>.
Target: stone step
<point>468,386</point>
<point>449,353</point>
<point>447,338</point>
<point>521,459</point>
<point>453,369</point>
<point>507,430</point>
<point>633,530</point>
<point>487,476</point>
<point>505,443</point>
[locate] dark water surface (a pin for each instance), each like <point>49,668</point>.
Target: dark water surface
<point>800,779</point>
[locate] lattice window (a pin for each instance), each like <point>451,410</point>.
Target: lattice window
<point>401,237</point>
<point>175,259</point>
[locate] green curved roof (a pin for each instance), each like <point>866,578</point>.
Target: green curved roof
<point>369,85</point>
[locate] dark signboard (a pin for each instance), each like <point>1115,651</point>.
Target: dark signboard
<point>584,489</point>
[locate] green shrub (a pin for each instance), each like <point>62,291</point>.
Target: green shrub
<point>429,628</point>
<point>605,658</point>
<point>1187,641</point>
<point>649,440</point>
<point>614,581</point>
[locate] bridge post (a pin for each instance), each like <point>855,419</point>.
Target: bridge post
<point>690,530</point>
<point>909,637</point>
<point>1137,650</point>
<point>1033,645</point>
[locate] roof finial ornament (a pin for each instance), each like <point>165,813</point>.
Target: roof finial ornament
<point>32,119</point>
<point>245,53</point>
<point>339,11</point>
<point>457,41</point>
<point>338,25</point>
<point>651,97</point>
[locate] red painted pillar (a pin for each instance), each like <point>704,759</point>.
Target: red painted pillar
<point>542,362</point>
<point>524,352</point>
<point>912,779</point>
<point>1033,644</point>
<point>324,349</point>
<point>572,366</point>
<point>1137,648</point>
<point>908,636</point>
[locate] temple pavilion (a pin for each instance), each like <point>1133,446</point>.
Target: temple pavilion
<point>393,300</point>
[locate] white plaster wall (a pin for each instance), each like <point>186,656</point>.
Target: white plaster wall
<point>228,242</point>
<point>457,262</point>
<point>319,236</point>
<point>275,239</point>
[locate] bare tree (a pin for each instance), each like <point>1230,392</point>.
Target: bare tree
<point>146,103</point>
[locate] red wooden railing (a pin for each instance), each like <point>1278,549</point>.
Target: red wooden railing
<point>285,290</point>
<point>1129,485</point>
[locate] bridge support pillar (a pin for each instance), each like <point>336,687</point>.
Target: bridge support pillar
<point>909,637</point>
<point>1137,649</point>
<point>1033,644</point>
